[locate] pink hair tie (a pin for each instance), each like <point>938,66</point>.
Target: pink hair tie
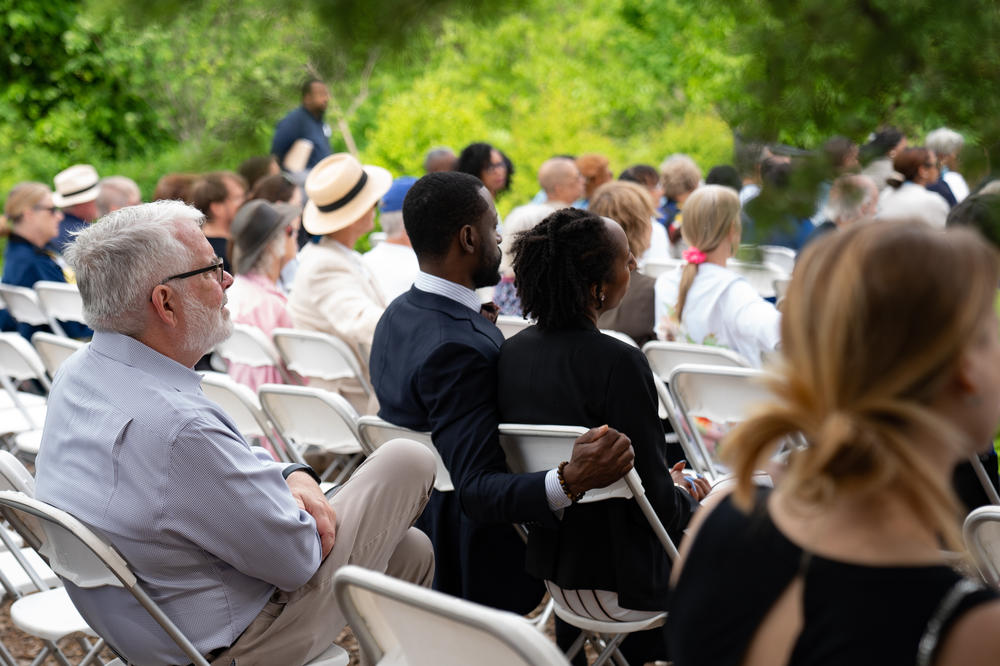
<point>693,255</point>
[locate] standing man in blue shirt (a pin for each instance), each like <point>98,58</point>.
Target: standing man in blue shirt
<point>305,122</point>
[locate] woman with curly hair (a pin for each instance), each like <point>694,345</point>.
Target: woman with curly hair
<point>891,375</point>
<point>602,559</point>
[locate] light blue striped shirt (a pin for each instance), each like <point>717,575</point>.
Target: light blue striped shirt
<point>132,448</point>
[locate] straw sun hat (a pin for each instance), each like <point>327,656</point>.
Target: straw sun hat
<point>340,191</point>
<point>75,185</point>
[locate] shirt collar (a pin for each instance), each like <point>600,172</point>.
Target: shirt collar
<point>452,290</point>
<point>135,354</point>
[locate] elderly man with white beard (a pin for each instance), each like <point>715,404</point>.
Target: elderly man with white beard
<point>239,550</point>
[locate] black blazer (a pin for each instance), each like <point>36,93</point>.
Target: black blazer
<point>433,367</point>
<point>582,377</point>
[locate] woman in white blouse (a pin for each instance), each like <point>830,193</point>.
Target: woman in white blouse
<point>704,302</point>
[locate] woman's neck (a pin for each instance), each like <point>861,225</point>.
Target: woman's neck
<point>719,255</point>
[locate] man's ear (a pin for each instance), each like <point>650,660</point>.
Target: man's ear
<point>468,239</point>
<point>166,303</point>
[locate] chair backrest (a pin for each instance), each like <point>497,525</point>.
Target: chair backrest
<point>511,326</point>
<point>657,267</point>
<point>536,448</point>
<point>79,555</point>
<point>60,300</point>
<point>20,361</point>
<point>624,337</point>
<point>24,306</point>
<point>401,623</point>
<point>305,416</point>
<point>320,355</point>
<point>663,357</point>
<point>781,287</point>
<point>982,537</point>
<point>54,349</point>
<point>242,406</point>
<point>760,276</point>
<point>249,346</point>
<point>782,258</point>
<point>375,432</point>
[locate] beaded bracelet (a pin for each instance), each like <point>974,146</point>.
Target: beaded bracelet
<point>574,498</point>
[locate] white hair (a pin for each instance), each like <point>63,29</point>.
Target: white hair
<point>944,141</point>
<point>392,223</point>
<point>272,253</point>
<point>120,259</point>
<point>849,196</point>
<point>116,192</point>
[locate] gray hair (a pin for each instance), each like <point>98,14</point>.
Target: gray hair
<point>120,259</point>
<point>272,253</point>
<point>117,192</point>
<point>849,196</point>
<point>679,175</point>
<point>392,223</point>
<point>944,141</point>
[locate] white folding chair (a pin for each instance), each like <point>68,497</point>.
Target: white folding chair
<point>760,276</point>
<point>41,607</point>
<point>60,300</point>
<point>781,287</point>
<point>982,537</point>
<point>244,409</point>
<point>54,349</point>
<point>249,345</point>
<point>511,326</point>
<point>720,394</point>
<point>21,414</point>
<point>533,448</point>
<point>24,306</point>
<point>312,417</point>
<point>618,335</point>
<point>400,623</point>
<point>657,267</point>
<point>782,258</point>
<point>320,355</point>
<point>375,432</point>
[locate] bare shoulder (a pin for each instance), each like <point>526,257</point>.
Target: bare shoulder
<point>974,639</point>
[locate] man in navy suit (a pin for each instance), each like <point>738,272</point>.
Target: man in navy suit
<point>433,366</point>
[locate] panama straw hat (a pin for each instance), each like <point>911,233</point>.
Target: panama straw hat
<point>75,185</point>
<point>340,191</point>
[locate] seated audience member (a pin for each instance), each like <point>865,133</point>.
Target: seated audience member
<point>562,184</point>
<point>659,243</point>
<point>237,549</point>
<point>910,198</point>
<point>440,159</point>
<point>254,169</point>
<point>433,366</point>
<point>28,258</point>
<point>175,187</point>
<point>393,262</point>
<point>947,145</point>
<point>724,174</point>
<point>852,198</point>
<point>600,559</point>
<point>488,165</point>
<point>117,192</point>
<point>680,177</point>
<point>595,171</point>
<point>263,241</point>
<point>844,561</point>
<point>76,192</point>
<point>334,292</point>
<point>218,196</point>
<point>703,301</point>
<point>878,155</point>
<point>630,206</point>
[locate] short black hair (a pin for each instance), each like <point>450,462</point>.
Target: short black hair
<point>641,174</point>
<point>724,174</point>
<point>556,262</point>
<point>308,84</point>
<point>980,211</point>
<point>437,206</point>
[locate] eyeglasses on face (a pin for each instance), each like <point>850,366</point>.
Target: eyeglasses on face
<point>216,266</point>
<point>51,209</point>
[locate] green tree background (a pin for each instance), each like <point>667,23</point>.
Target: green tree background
<point>145,89</point>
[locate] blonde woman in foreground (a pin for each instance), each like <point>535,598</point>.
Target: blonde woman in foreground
<point>703,301</point>
<point>892,373</point>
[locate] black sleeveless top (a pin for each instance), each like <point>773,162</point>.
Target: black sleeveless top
<point>740,564</point>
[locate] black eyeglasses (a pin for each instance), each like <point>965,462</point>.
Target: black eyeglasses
<point>217,266</point>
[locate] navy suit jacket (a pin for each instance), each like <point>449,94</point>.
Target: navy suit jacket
<point>433,366</point>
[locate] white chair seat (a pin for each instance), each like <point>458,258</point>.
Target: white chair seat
<point>332,656</point>
<point>16,576</point>
<point>13,420</point>
<point>605,627</point>
<point>28,442</point>
<point>49,615</point>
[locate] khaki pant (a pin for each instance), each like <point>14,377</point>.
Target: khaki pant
<point>375,509</point>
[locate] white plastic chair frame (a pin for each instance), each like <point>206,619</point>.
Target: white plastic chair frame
<point>782,258</point>
<point>320,355</point>
<point>19,361</point>
<point>657,267</point>
<point>249,345</point>
<point>375,432</point>
<point>982,537</point>
<point>54,349</point>
<point>510,325</point>
<point>532,448</point>
<point>376,606</point>
<point>60,300</point>
<point>760,276</point>
<point>24,306</point>
<point>244,408</point>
